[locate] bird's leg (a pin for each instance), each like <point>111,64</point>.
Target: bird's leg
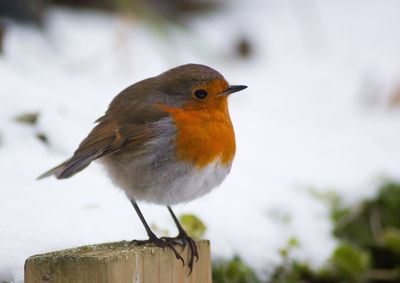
<point>152,237</point>
<point>183,239</point>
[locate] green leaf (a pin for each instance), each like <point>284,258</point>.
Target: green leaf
<point>193,225</point>
<point>284,253</point>
<point>391,237</point>
<point>233,271</point>
<point>350,261</point>
<point>293,242</point>
<point>160,231</point>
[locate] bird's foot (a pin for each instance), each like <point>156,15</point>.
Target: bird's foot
<point>159,242</point>
<point>182,240</point>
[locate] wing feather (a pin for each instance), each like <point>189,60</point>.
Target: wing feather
<point>125,122</point>
<point>104,139</point>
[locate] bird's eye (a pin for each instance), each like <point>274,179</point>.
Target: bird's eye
<point>200,93</point>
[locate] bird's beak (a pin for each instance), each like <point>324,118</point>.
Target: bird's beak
<point>231,89</point>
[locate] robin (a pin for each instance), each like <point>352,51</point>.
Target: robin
<point>165,140</point>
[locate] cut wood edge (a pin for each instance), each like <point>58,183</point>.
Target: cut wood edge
<point>118,262</point>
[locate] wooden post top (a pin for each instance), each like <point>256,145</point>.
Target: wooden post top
<point>119,262</point>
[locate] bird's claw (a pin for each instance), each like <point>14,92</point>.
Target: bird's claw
<point>182,240</point>
<point>159,242</point>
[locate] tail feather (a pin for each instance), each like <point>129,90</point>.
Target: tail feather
<point>67,168</point>
<point>104,139</point>
<point>56,171</point>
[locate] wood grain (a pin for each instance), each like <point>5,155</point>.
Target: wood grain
<point>119,262</point>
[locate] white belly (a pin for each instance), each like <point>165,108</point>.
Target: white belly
<point>194,184</point>
<point>154,175</point>
<point>176,184</point>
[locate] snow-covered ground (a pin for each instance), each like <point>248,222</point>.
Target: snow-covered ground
<point>314,115</point>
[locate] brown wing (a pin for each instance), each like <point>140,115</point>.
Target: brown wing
<point>103,139</point>
<point>123,124</point>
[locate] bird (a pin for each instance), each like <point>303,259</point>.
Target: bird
<point>166,140</point>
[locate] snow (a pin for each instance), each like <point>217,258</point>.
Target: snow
<point>314,115</point>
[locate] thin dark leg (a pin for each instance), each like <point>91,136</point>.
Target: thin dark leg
<point>183,239</point>
<point>178,225</point>
<point>152,237</point>
<point>139,213</point>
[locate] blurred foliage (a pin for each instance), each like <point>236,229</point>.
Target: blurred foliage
<point>280,216</point>
<point>368,250</point>
<point>244,48</point>
<point>365,224</point>
<point>159,231</point>
<point>174,10</point>
<point>292,243</point>
<point>28,118</point>
<point>2,32</point>
<point>351,263</point>
<point>369,242</point>
<point>394,97</point>
<point>159,15</point>
<point>150,10</point>
<point>42,137</point>
<point>391,238</point>
<point>31,119</point>
<point>233,271</point>
<point>23,10</point>
<point>193,225</point>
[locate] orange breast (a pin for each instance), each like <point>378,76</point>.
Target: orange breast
<point>204,134</point>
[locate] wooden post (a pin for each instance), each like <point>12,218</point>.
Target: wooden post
<point>119,262</point>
